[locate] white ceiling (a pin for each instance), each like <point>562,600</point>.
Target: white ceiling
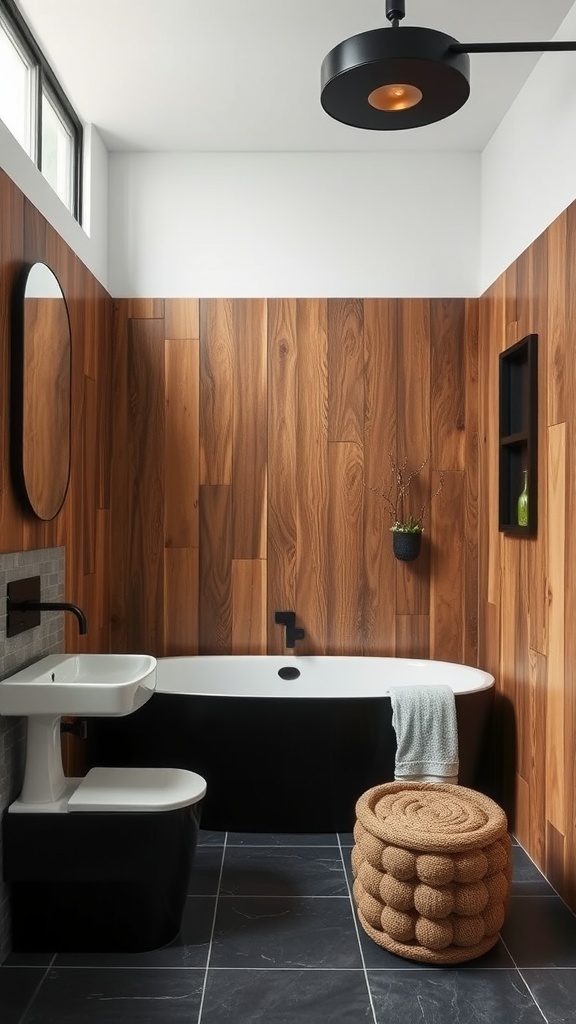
<point>244,75</point>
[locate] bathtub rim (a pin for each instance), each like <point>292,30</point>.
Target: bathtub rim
<point>472,679</point>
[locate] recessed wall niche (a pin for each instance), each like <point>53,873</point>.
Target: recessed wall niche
<point>518,456</point>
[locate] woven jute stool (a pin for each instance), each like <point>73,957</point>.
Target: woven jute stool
<point>432,868</point>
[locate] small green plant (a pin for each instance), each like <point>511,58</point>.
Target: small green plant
<point>397,497</point>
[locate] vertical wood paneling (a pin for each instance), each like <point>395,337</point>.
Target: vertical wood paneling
<point>274,379</point>
<point>89,478</point>
<point>447,584</point>
<point>11,244</point>
<point>215,613</point>
<point>121,493</point>
<point>535,644</point>
<point>216,391</point>
<point>182,319</point>
<point>345,370</point>
<point>249,606</point>
<point>535,840</point>
<point>379,570</point>
<point>556,810</point>
<point>146,480</point>
<point>556,320</point>
<point>181,451</point>
<point>345,512</point>
<point>312,476</point>
<point>471,486</point>
<point>413,442</point>
<point>249,429</point>
<point>181,587</point>
<point>412,636</point>
<point>447,383</point>
<point>282,464</point>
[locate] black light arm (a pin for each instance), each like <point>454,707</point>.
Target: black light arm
<point>510,47</point>
<point>395,11</point>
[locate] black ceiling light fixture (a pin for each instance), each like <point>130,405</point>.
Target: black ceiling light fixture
<point>395,78</point>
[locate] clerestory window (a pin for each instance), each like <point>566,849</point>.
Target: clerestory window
<point>35,109</point>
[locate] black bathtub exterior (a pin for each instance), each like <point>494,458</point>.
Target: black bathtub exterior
<point>277,764</point>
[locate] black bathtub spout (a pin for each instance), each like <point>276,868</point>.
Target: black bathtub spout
<point>293,632</point>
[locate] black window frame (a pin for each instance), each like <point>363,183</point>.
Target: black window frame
<point>46,82</point>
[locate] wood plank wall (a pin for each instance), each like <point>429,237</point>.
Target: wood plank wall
<point>528,586</point>
<point>248,438</point>
<point>83,525</point>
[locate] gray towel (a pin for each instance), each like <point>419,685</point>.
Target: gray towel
<point>424,720</point>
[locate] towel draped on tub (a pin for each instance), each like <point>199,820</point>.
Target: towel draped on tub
<point>424,720</point>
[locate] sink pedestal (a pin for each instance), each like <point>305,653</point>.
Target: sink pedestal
<point>44,779</point>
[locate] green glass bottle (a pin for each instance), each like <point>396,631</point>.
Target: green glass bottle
<point>523,502</point>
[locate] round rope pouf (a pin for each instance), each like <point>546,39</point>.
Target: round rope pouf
<point>432,868</point>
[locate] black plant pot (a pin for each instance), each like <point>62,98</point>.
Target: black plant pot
<point>406,546</point>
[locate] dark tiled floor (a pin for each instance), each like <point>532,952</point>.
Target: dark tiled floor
<point>269,935</point>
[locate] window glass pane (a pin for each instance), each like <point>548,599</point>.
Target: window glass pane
<point>15,89</point>
<point>57,151</point>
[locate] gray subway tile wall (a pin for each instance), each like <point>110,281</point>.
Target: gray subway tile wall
<point>15,653</point>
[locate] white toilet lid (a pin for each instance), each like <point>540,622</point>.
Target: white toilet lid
<point>137,789</point>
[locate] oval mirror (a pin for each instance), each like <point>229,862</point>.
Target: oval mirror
<point>44,372</point>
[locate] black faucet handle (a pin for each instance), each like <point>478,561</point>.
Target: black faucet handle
<point>287,619</point>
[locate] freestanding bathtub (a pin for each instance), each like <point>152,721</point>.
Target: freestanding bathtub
<point>285,743</point>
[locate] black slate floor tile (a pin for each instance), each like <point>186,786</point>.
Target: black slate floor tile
<point>286,997</point>
<point>189,949</point>
<point>279,932</point>
<point>282,839</point>
<point>29,960</point>
<point>77,996</point>
<point>527,880</point>
<point>555,992</point>
<point>474,997</point>
<point>208,838</point>
<point>296,871</point>
<point>346,839</point>
<point>540,931</point>
<point>205,872</point>
<point>17,986</point>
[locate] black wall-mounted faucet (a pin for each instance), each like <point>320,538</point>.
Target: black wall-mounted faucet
<point>293,632</point>
<point>23,607</point>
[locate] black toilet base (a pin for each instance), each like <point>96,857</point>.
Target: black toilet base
<point>98,881</point>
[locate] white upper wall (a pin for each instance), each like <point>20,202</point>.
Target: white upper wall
<point>529,165</point>
<point>91,245</point>
<point>371,224</point>
<point>294,224</point>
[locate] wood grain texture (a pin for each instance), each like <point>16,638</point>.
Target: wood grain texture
<point>215,615</point>
<point>249,436</point>
<point>249,606</point>
<point>146,425</point>
<point>345,516</point>
<point>448,383</point>
<point>306,507</point>
<point>533,650</point>
<point>181,443</point>
<point>312,479</point>
<point>282,460</point>
<point>448,565</point>
<point>181,591</point>
<point>413,442</point>
<point>555,757</point>
<point>216,391</point>
<point>182,319</point>
<point>412,636</point>
<point>345,370</point>
<point>379,570</point>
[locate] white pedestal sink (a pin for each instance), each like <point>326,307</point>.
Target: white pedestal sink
<point>70,684</point>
